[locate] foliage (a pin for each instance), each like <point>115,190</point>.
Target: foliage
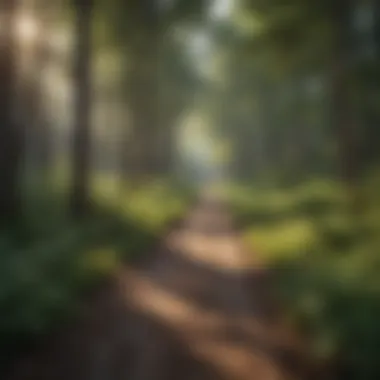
<point>289,82</point>
<point>44,279</point>
<point>325,262</point>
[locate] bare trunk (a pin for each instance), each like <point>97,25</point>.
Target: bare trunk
<point>343,115</point>
<point>82,108</point>
<point>39,137</point>
<point>377,27</point>
<point>10,134</point>
<point>144,111</point>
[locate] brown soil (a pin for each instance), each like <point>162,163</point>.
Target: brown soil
<point>196,309</point>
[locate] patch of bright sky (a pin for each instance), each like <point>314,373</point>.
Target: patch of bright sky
<point>198,145</point>
<point>201,44</point>
<point>194,139</point>
<point>220,10</point>
<point>200,50</point>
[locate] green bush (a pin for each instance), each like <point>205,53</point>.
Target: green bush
<point>326,262</point>
<point>48,264</point>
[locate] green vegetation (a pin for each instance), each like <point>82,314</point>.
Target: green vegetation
<point>326,262</point>
<point>49,263</point>
<point>287,90</point>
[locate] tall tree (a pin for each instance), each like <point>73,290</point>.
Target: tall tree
<point>307,40</point>
<point>10,134</point>
<point>343,115</point>
<point>158,79</point>
<point>38,134</point>
<point>83,10</point>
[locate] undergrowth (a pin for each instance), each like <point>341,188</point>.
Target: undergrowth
<point>327,263</point>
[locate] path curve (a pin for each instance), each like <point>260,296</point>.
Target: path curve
<point>194,310</point>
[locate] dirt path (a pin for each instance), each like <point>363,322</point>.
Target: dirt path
<point>195,310</point>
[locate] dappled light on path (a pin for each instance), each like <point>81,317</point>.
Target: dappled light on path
<point>212,337</point>
<point>188,311</point>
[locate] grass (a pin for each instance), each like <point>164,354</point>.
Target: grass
<point>49,263</point>
<point>327,264</point>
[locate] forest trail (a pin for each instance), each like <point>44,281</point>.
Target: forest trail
<point>196,309</point>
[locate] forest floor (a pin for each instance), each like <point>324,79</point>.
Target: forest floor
<point>198,308</point>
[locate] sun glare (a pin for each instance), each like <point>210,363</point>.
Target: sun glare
<point>26,28</point>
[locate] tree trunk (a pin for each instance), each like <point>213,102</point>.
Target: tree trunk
<point>82,108</point>
<point>343,115</point>
<point>38,134</point>
<point>47,12</point>
<point>144,110</point>
<point>10,134</point>
<point>376,7</point>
